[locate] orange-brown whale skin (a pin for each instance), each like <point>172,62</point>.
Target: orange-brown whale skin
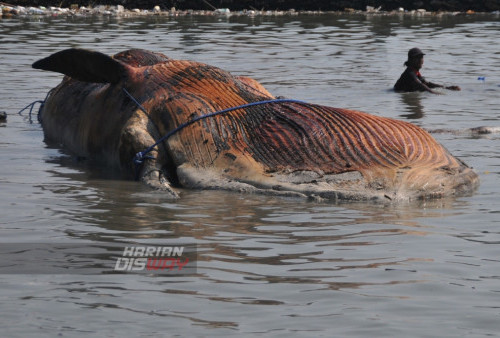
<point>282,148</point>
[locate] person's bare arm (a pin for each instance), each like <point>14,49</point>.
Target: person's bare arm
<point>435,85</point>
<point>426,86</point>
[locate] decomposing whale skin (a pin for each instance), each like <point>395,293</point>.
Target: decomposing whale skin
<point>282,147</point>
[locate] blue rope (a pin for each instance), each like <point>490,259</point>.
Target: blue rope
<point>31,106</point>
<point>141,156</point>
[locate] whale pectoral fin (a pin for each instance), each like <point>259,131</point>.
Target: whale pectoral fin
<point>136,137</point>
<point>84,65</point>
<point>153,175</point>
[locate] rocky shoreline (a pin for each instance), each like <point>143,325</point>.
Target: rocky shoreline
<point>16,9</point>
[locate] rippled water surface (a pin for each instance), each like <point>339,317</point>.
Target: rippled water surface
<point>266,265</point>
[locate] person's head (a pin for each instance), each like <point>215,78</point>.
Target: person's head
<point>415,58</point>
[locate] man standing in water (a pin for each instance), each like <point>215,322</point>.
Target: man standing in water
<point>411,80</point>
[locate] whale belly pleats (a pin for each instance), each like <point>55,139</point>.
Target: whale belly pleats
<point>297,136</point>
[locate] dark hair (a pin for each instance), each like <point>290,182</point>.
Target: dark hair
<point>406,63</point>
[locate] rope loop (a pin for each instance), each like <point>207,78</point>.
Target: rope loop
<point>31,106</point>
<point>139,158</point>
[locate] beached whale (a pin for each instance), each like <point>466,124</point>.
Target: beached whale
<point>175,123</point>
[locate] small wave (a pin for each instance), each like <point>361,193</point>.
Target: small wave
<point>468,131</point>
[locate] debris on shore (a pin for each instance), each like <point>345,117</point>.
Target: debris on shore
<point>8,11</point>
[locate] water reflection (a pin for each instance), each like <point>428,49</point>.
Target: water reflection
<point>413,104</point>
<point>289,240</point>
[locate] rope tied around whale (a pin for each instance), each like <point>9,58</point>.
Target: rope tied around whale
<point>31,106</point>
<point>143,155</point>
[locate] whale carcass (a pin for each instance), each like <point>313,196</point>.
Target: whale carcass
<point>110,109</point>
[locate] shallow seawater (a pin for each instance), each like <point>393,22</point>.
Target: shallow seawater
<point>266,265</point>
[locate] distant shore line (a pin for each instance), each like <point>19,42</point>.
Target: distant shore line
<point>12,10</point>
